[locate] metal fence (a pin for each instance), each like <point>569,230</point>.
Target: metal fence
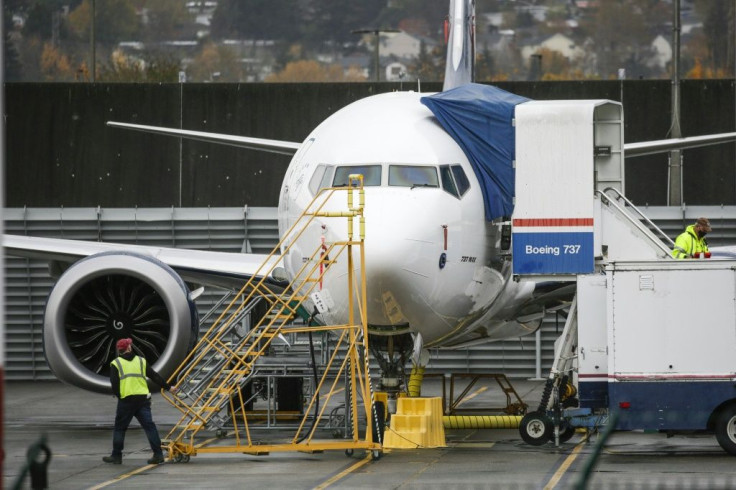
<point>28,282</point>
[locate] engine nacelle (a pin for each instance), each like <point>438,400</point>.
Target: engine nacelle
<point>113,295</point>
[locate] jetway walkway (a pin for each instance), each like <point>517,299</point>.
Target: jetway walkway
<point>212,380</point>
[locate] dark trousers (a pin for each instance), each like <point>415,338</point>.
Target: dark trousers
<point>141,410</point>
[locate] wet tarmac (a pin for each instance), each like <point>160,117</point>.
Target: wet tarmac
<point>77,426</point>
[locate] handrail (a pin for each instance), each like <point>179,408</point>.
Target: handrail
<point>213,375</point>
<point>644,229</point>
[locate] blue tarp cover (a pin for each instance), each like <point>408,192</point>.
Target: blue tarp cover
<point>479,118</point>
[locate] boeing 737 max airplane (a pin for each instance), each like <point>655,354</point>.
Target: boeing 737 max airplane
<point>438,268</point>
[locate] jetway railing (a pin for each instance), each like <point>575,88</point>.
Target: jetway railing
<point>641,222</point>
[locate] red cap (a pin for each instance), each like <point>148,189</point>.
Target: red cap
<point>123,344</point>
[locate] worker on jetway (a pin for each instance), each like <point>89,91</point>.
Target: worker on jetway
<point>128,379</point>
<point>691,243</point>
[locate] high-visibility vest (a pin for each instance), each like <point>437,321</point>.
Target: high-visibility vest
<point>687,244</point>
<point>132,376</point>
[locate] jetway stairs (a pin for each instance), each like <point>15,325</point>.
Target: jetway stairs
<point>626,232</point>
<point>211,382</point>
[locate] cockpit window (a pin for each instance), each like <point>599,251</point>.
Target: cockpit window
<point>460,179</point>
<point>448,183</point>
<point>412,176</point>
<point>371,175</point>
<point>321,178</point>
<point>454,180</point>
<point>316,180</point>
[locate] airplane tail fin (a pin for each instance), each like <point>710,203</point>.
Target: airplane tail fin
<point>460,37</point>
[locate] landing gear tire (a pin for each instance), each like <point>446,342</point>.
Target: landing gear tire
<point>178,458</point>
<point>185,458</point>
<point>535,428</point>
<point>726,429</point>
<point>566,433</point>
<point>348,452</point>
<point>376,454</point>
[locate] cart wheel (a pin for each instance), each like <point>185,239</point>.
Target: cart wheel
<point>348,452</point>
<point>178,458</point>
<point>726,429</point>
<point>185,458</point>
<point>535,428</point>
<point>376,454</point>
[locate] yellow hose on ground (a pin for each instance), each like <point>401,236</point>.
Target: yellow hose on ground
<point>414,387</point>
<point>481,421</point>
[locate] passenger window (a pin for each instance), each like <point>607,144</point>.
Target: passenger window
<point>448,183</point>
<point>316,180</point>
<point>461,180</point>
<point>412,176</point>
<point>371,175</point>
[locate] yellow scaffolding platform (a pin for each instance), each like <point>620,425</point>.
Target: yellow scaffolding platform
<point>211,380</point>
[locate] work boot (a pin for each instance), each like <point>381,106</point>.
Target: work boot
<point>156,459</point>
<point>113,459</point>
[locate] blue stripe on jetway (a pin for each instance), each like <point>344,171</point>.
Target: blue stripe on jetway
<point>665,405</point>
<point>593,394</point>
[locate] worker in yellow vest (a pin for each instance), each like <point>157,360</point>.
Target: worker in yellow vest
<point>691,243</point>
<point>128,374</point>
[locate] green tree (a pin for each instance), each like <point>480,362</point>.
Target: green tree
<point>433,12</point>
<point>115,21</point>
<point>166,19</point>
<point>429,65</point>
<point>335,20</point>
<point>718,29</point>
<point>485,66</point>
<point>41,19</point>
<point>215,63</point>
<point>55,65</point>
<point>13,65</point>
<point>619,31</point>
<point>257,19</point>
<point>122,68</point>
<point>313,71</point>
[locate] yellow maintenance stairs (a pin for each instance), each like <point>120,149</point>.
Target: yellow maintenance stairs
<point>211,381</point>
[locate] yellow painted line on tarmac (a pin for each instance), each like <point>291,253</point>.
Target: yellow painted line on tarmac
<point>472,444</point>
<point>345,473</point>
<point>566,464</point>
<point>123,476</point>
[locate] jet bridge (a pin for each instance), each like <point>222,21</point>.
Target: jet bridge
<point>648,342</point>
<point>565,152</point>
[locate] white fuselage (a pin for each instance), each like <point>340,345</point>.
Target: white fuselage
<point>408,229</point>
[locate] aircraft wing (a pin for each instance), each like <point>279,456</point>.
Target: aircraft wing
<point>223,269</point>
<point>271,146</point>
<point>663,146</point>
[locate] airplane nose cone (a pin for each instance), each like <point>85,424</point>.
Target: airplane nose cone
<point>403,244</point>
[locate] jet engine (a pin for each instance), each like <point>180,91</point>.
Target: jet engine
<point>114,295</point>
